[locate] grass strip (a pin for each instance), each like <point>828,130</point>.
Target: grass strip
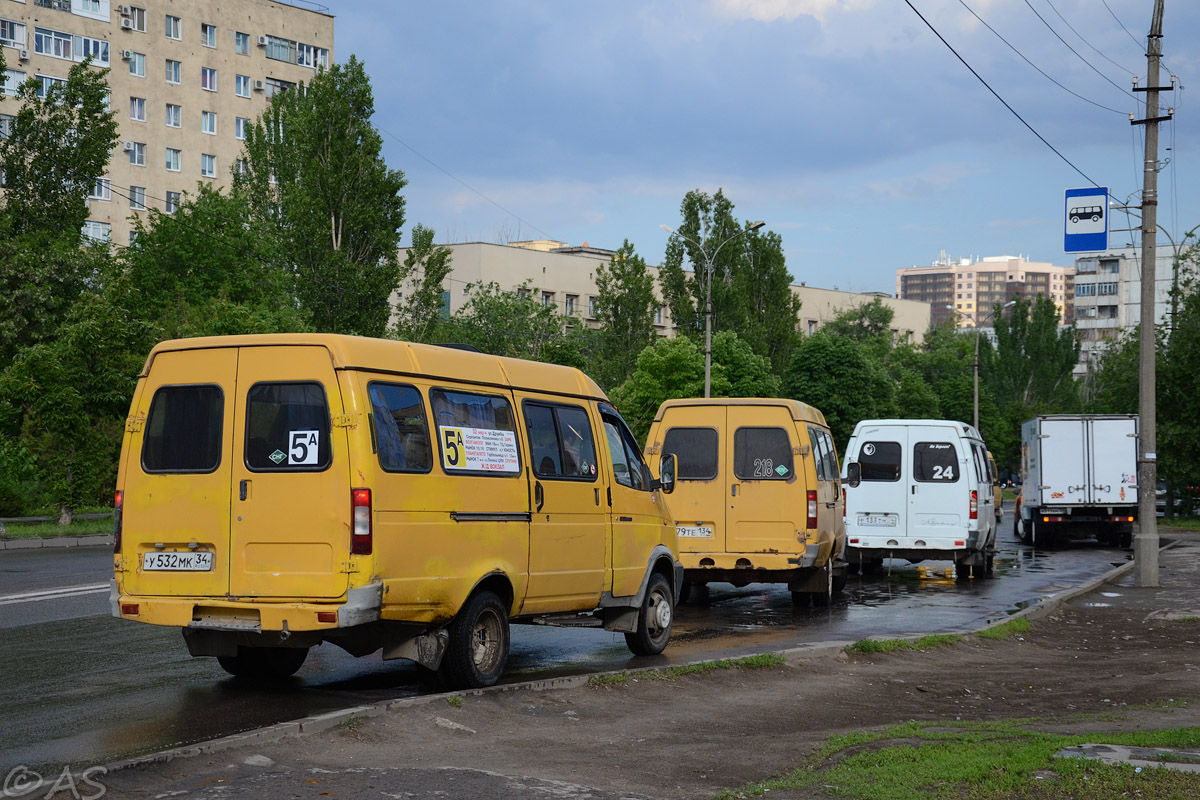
<point>760,661</point>
<point>1013,627</point>
<point>871,646</point>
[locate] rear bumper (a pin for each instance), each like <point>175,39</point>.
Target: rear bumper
<point>360,606</point>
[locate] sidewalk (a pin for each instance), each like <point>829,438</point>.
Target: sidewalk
<point>1116,651</point>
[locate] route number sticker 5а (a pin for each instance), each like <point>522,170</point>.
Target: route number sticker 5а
<point>303,447</point>
<point>479,450</point>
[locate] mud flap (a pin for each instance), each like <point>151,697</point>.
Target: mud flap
<point>623,620</point>
<point>426,649</point>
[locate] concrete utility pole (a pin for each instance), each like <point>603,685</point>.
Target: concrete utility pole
<point>1145,543</point>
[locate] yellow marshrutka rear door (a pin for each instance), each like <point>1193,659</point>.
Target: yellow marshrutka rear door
<point>290,490</point>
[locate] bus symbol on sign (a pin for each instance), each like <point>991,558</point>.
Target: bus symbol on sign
<point>1093,213</point>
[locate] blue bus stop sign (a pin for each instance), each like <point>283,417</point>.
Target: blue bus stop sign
<point>1085,220</point>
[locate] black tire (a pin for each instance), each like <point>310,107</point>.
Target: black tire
<point>839,582</point>
<point>962,573</point>
<point>264,663</point>
<point>989,568</point>
<point>654,619</point>
<point>872,566</point>
<point>478,646</point>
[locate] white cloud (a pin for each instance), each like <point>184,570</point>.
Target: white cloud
<point>788,10</point>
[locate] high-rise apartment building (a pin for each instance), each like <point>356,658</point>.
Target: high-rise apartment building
<point>186,78</point>
<point>967,290</point>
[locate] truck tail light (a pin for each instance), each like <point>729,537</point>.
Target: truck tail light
<point>974,504</point>
<point>361,537</point>
<point>812,509</point>
<point>118,505</point>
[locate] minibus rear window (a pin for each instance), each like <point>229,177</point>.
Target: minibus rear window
<point>695,451</point>
<point>935,462</point>
<point>762,454</point>
<point>287,428</point>
<point>183,429</point>
<point>879,461</point>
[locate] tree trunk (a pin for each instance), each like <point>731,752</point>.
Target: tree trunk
<point>65,515</point>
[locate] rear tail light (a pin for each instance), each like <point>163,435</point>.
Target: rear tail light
<point>361,538</point>
<point>843,502</point>
<point>129,609</point>
<point>118,505</point>
<point>327,616</point>
<point>974,504</point>
<point>812,508</point>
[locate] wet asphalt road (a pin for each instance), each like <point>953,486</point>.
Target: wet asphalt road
<point>82,688</point>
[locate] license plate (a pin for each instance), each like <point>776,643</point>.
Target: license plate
<point>694,531</point>
<point>192,561</point>
<point>877,520</point>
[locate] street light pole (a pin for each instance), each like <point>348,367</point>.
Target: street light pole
<point>708,266</point>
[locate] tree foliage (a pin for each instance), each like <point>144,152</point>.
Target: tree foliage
<point>504,323</point>
<point>315,177</point>
<point>625,305</point>
<point>422,276</point>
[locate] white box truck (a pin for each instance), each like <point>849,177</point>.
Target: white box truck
<point>1079,478</point>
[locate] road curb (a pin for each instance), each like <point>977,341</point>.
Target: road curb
<point>323,722</point>
<point>97,540</point>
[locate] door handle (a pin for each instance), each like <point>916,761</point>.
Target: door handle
<point>914,489</point>
<point>831,505</point>
<point>242,489</point>
<point>597,491</point>
<point>733,489</point>
<point>539,496</point>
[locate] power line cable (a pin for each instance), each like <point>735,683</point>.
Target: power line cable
<point>454,177</point>
<point>1100,53</point>
<point>1011,110</point>
<point>1035,66</point>
<point>1141,46</point>
<point>1050,28</point>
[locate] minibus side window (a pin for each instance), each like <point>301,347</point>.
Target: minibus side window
<point>819,454</point>
<point>401,431</point>
<point>935,462</point>
<point>287,428</point>
<point>476,433</point>
<point>695,451</point>
<point>981,470</point>
<point>183,429</point>
<point>762,454</point>
<point>560,442</point>
<point>831,465</point>
<point>879,461</point>
<point>628,467</point>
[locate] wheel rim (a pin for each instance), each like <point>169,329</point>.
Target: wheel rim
<point>486,642</point>
<point>658,614</point>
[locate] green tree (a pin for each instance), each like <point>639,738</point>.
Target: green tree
<point>1033,364</point>
<point>425,269</point>
<point>843,379</point>
<point>55,148</point>
<point>316,178</point>
<point>203,271</point>
<point>625,306</point>
<point>766,305</point>
<point>504,323</point>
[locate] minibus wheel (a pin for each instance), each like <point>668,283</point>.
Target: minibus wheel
<point>477,649</point>
<point>654,619</point>
<point>264,662</point>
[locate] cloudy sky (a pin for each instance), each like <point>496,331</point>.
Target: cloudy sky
<point>845,125</point>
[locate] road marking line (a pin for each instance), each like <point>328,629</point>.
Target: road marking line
<point>53,594</point>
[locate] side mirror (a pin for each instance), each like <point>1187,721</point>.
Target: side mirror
<point>666,472</point>
<point>853,473</point>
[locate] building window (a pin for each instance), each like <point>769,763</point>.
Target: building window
<point>547,298</point>
<point>208,122</point>
<point>243,85</point>
<point>97,231</point>
<point>239,127</point>
<point>239,166</point>
<point>1106,288</point>
<point>572,301</point>
<point>138,17</point>
<point>12,79</point>
<point>208,165</point>
<point>241,43</point>
<point>173,158</point>
<point>174,68</point>
<point>12,33</point>
<point>96,48</point>
<point>322,58</point>
<point>132,238</point>
<point>45,82</point>
<point>658,315</point>
<point>137,154</point>
<point>174,27</point>
<point>172,202</point>
<point>591,306</point>
<point>101,190</point>
<point>281,49</point>
<point>306,55</point>
<point>88,6</point>
<point>137,64</point>
<point>275,86</point>
<point>174,115</point>
<point>53,43</point>
<point>137,198</point>
<point>137,109</point>
<point>208,34</point>
<point>208,79</point>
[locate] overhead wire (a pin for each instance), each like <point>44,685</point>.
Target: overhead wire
<point>1099,52</point>
<point>1035,66</point>
<point>996,94</point>
<point>1140,44</point>
<point>1066,44</point>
